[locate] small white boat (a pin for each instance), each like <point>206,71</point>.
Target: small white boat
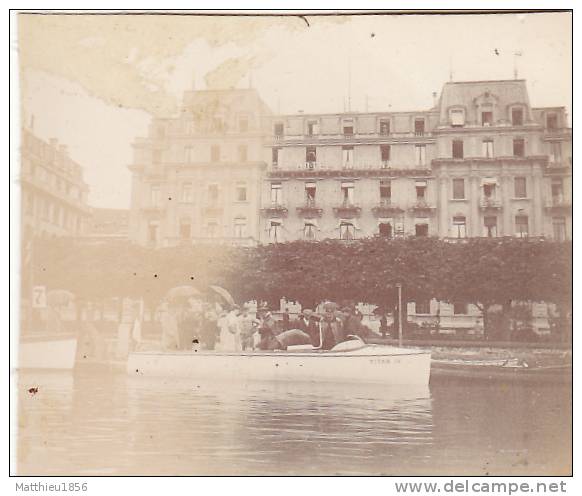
<point>47,352</point>
<point>347,362</point>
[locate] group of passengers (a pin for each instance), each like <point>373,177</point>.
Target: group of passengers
<point>232,328</point>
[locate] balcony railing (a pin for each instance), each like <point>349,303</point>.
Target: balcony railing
<point>387,208</point>
<point>213,210</point>
<point>423,206</point>
<point>274,209</point>
<point>559,203</point>
<point>310,209</point>
<point>490,204</point>
<point>311,165</point>
<point>347,209</point>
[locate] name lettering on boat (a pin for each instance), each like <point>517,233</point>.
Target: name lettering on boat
<point>384,361</point>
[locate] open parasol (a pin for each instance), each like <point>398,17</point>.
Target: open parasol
<point>182,292</point>
<point>224,294</point>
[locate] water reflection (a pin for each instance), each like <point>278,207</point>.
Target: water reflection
<point>100,422</point>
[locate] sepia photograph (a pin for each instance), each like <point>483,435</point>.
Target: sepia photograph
<point>300,243</point>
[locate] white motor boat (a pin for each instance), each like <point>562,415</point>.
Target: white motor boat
<point>47,352</point>
<point>350,361</point>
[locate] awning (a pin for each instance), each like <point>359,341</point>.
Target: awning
<point>348,221</point>
<point>489,180</point>
<point>385,220</point>
<point>312,222</point>
<point>420,182</point>
<point>420,220</point>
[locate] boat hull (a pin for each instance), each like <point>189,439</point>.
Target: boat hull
<point>372,364</point>
<point>47,353</point>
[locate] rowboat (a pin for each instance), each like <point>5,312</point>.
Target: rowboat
<point>347,362</point>
<point>47,352</point>
<point>501,370</point>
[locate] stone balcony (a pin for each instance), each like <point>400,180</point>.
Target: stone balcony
<point>274,209</point>
<point>310,209</point>
<point>386,208</point>
<point>559,204</point>
<point>347,209</point>
<point>421,207</point>
<point>491,204</point>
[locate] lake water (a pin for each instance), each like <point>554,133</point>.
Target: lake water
<point>101,422</point>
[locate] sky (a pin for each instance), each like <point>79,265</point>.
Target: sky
<point>95,81</point>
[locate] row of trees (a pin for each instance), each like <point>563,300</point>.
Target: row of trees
<point>484,272</point>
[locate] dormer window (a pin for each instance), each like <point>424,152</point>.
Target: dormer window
<point>517,117</point>
<point>487,118</point>
<point>278,129</point>
<point>552,122</point>
<point>384,127</point>
<point>313,128</point>
<point>457,117</point>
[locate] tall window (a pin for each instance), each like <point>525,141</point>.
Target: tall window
<point>556,152</point>
<point>155,196</point>
<point>489,190</point>
<point>278,129</point>
<point>458,189</point>
<point>215,153</point>
<point>189,154</point>
<point>152,232</point>
<point>518,147</point>
<point>212,229</point>
<point>557,190</point>
<point>347,231</point>
<point>241,193</point>
<point>488,148</point>
<point>421,229</point>
<point>187,192</point>
<point>240,227</point>
<point>490,224</point>
<point>243,124</point>
<point>458,149</point>
<point>185,229</point>
<point>276,194</point>
<point>420,190</point>
<point>552,122</point>
<point>384,127</point>
<point>385,191</point>
<point>275,228</point>
<point>420,154</point>
<point>385,154</point>
<point>521,225</point>
<point>311,155</point>
<point>309,231</point>
<point>348,157</point>
<point>559,227</point>
<point>520,184</point>
<point>385,230</point>
<point>347,193</point>
<point>459,226</point>
<point>457,117</point>
<point>517,117</point>
<point>310,192</point>
<point>242,153</point>
<point>313,128</point>
<point>213,194</point>
<point>419,127</point>
<point>275,156</point>
<point>487,118</point>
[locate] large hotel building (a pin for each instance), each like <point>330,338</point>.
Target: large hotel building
<point>481,162</point>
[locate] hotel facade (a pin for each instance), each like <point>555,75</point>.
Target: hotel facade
<point>481,162</point>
